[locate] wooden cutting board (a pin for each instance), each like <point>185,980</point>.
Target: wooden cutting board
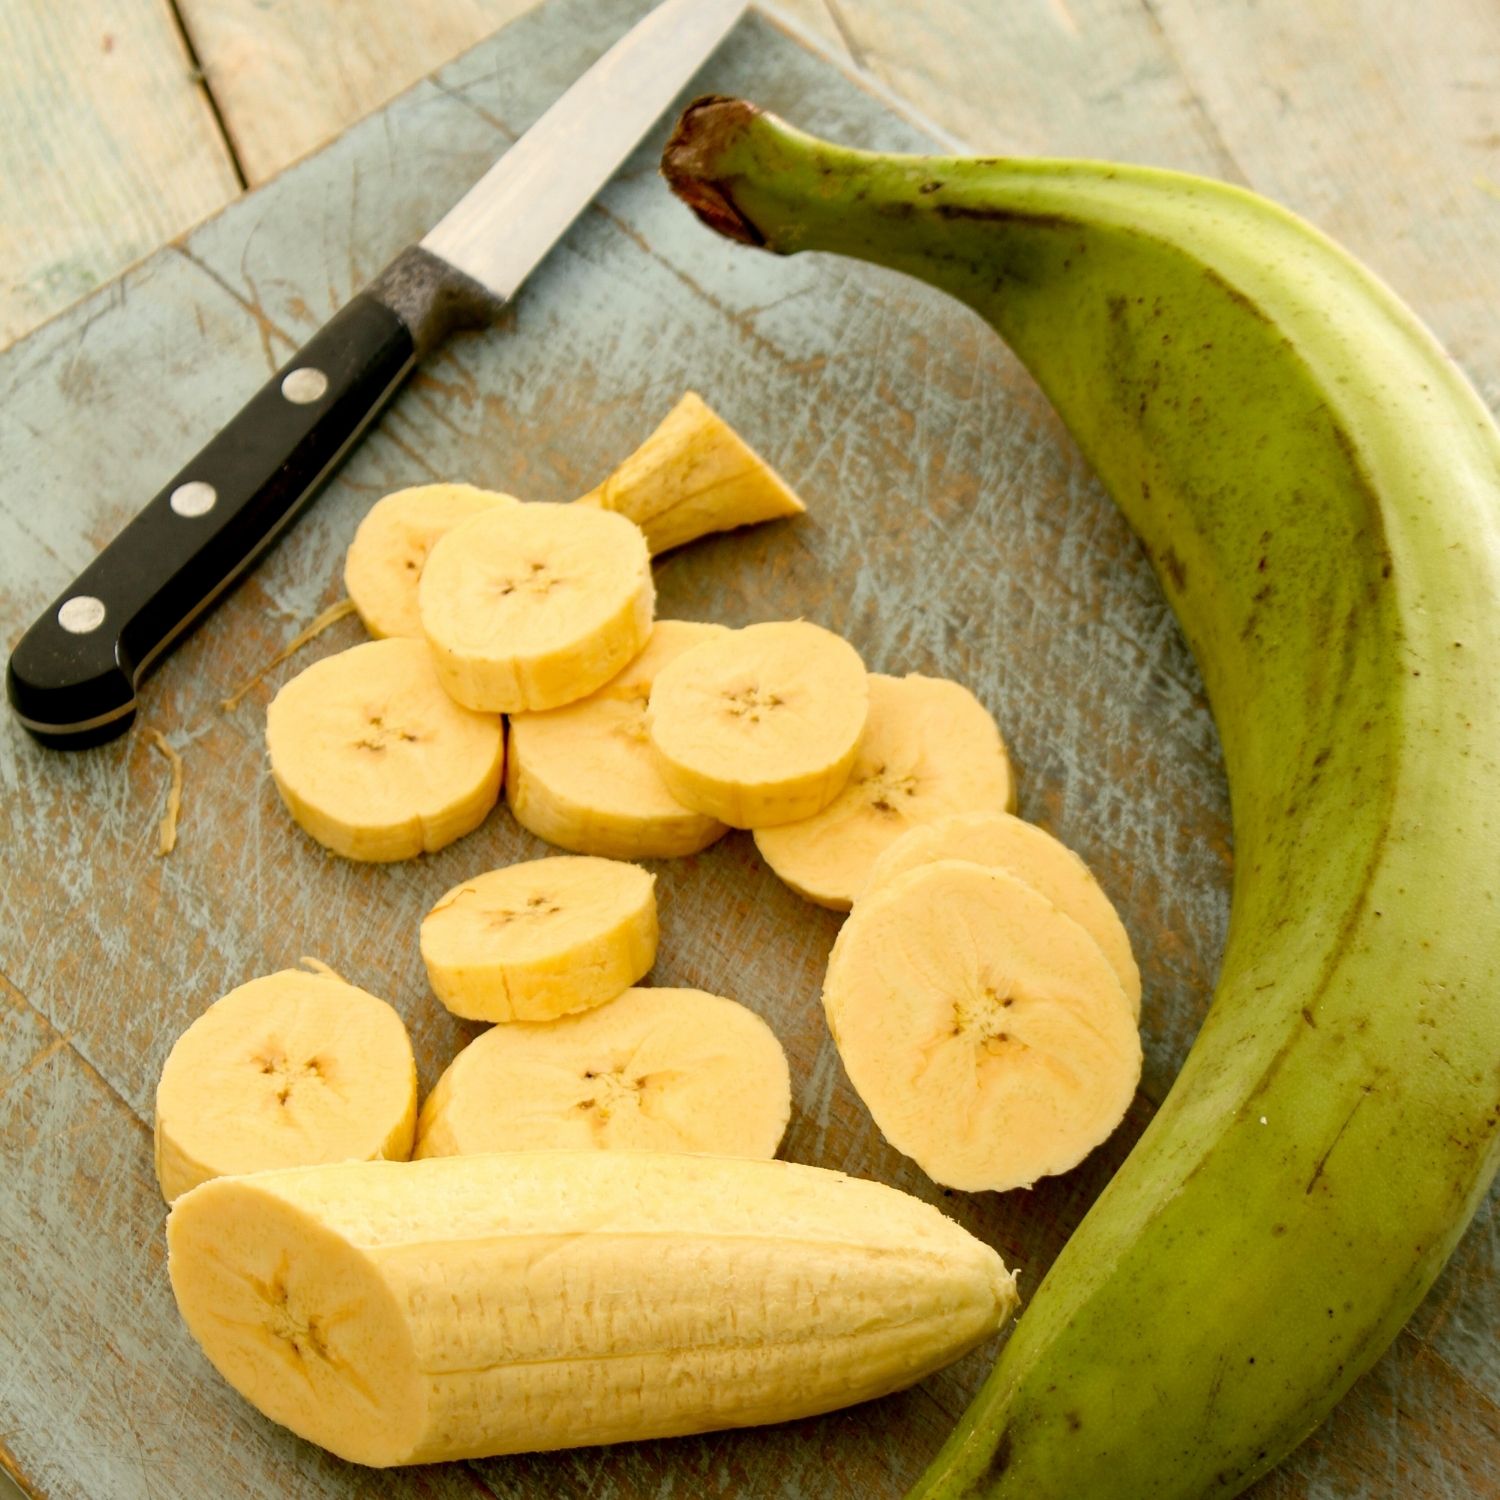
<point>953,529</point>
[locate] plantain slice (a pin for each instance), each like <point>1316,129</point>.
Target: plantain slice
<point>656,1070</point>
<point>534,606</point>
<point>583,776</point>
<point>390,547</point>
<point>289,1070</point>
<point>985,1031</point>
<point>1008,843</point>
<point>760,727</point>
<point>375,760</point>
<point>930,749</point>
<point>538,940</point>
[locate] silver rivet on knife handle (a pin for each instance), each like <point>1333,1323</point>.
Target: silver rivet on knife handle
<point>81,614</point>
<point>195,498</point>
<point>304,385</point>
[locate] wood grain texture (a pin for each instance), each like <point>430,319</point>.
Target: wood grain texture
<point>925,454</point>
<point>108,148</point>
<point>289,75</point>
<point>1388,138</point>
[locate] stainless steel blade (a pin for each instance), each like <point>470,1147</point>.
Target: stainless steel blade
<point>521,207</point>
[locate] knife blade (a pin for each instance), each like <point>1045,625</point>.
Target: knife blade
<point>72,679</point>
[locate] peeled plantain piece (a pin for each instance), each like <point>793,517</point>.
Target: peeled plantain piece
<point>541,939</point>
<point>985,1031</point>
<point>692,476</point>
<point>760,726</point>
<point>1003,842</point>
<point>533,606</point>
<point>584,777</point>
<point>930,749</point>
<point>375,760</point>
<point>289,1070</point>
<point>390,547</point>
<point>463,1306</point>
<point>655,1070</point>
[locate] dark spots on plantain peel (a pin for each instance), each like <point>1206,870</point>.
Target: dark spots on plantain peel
<point>1235,295</point>
<point>708,129</point>
<point>1175,569</point>
<point>991,213</point>
<point>995,1467</point>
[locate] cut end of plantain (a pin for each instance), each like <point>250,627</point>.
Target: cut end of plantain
<point>375,760</point>
<point>985,1031</point>
<point>538,940</point>
<point>288,1070</point>
<point>584,777</point>
<point>694,475</point>
<point>468,1306</point>
<point>655,1070</point>
<point>930,749</point>
<point>1001,841</point>
<point>534,606</point>
<point>760,726</point>
<point>390,547</point>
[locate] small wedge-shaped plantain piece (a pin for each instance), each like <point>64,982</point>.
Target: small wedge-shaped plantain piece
<point>694,475</point>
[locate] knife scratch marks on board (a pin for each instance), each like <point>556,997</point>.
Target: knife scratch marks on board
<point>742,323</point>
<point>266,326</point>
<point>36,1061</point>
<point>387,433</point>
<point>487,115</point>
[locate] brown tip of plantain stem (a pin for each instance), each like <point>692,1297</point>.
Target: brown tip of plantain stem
<point>707,129</point>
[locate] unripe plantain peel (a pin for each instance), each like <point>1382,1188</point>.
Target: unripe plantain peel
<point>1319,490</point>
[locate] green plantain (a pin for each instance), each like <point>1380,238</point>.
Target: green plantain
<point>1319,490</point>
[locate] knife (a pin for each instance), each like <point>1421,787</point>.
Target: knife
<point>72,680</point>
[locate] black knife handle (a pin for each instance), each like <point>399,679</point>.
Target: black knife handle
<point>72,679</point>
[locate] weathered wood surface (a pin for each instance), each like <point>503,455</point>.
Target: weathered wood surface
<point>288,75</point>
<point>925,454</point>
<point>108,148</point>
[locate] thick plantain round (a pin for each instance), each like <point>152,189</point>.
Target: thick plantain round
<point>385,560</point>
<point>584,777</point>
<point>375,760</point>
<point>985,1031</point>
<point>930,749</point>
<point>655,1070</point>
<point>1003,842</point>
<point>532,606</point>
<point>760,726</point>
<point>289,1070</point>
<point>541,939</point>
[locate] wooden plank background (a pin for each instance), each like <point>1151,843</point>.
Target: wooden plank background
<point>925,454</point>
